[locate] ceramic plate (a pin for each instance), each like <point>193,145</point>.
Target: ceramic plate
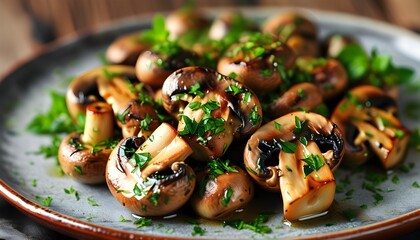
<point>24,93</point>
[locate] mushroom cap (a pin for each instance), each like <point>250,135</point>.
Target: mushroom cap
<point>265,143</point>
<point>302,46</point>
<point>223,195</point>
<point>83,165</point>
<point>260,73</point>
<point>180,22</point>
<point>126,49</point>
<point>300,96</point>
<point>287,24</point>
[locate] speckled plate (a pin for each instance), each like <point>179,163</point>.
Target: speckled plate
<point>24,93</point>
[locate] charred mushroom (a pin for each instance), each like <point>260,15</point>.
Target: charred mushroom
<point>221,189</point>
<point>328,75</point>
<point>300,96</point>
<point>212,109</point>
<point>126,49</point>
<point>260,64</point>
<point>284,134</point>
<point>149,177</point>
<point>367,117</point>
<point>83,156</point>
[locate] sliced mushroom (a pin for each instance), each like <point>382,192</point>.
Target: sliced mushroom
<point>213,109</point>
<point>126,49</point>
<point>83,156</point>
<point>217,197</point>
<point>149,177</point>
<point>283,135</point>
<point>300,96</point>
<point>367,117</point>
<point>260,64</point>
<point>328,75</point>
<point>307,184</point>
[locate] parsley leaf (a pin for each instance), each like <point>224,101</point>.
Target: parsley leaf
<point>314,163</point>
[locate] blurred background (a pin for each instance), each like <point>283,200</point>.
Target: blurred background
<point>26,26</point>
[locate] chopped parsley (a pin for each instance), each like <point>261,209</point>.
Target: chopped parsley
<point>197,230</point>
<point>226,196</point>
<point>92,202</point>
<point>78,169</point>
<point>122,219</point>
<point>195,89</point>
<point>313,163</point>
<point>72,191</point>
<point>257,225</point>
<point>143,222</point>
<point>277,125</point>
<point>140,160</point>
<point>288,147</point>
<point>46,202</point>
<point>415,184</point>
<point>254,117</point>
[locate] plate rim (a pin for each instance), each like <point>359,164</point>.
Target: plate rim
<point>79,228</point>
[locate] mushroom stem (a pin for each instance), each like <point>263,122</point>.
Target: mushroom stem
<point>99,124</point>
<point>165,148</point>
<point>116,92</point>
<point>305,195</point>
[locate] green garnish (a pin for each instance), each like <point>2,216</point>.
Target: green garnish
<point>34,183</point>
<point>277,125</point>
<point>46,202</point>
<point>78,169</point>
<point>195,89</point>
<point>92,202</point>
<point>257,225</point>
<point>194,105</point>
<point>218,167</point>
<point>313,163</point>
<point>226,196</point>
<point>288,147</point>
<point>395,179</point>
<point>254,117</point>
<point>72,191</point>
<point>415,184</point>
<point>143,222</point>
<point>122,219</point>
<point>197,230</point>
<point>140,160</point>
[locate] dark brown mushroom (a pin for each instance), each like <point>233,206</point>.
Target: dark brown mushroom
<point>224,23</point>
<point>83,156</point>
<point>367,117</point>
<point>182,21</point>
<point>288,24</point>
<point>217,197</point>
<point>212,109</point>
<point>149,177</point>
<point>261,65</point>
<point>285,134</point>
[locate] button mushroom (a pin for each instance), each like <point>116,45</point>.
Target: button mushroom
<point>300,96</point>
<point>221,189</point>
<point>178,23</point>
<point>328,75</point>
<point>261,154</point>
<point>153,67</point>
<point>296,31</point>
<point>228,24</point>
<point>261,64</point>
<point>83,156</point>
<point>212,109</point>
<point>126,49</point>
<point>149,177</point>
<point>367,117</point>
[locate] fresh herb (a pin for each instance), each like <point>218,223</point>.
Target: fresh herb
<point>78,169</point>
<point>92,202</point>
<point>34,183</point>
<point>52,149</point>
<point>277,125</point>
<point>197,230</point>
<point>108,74</point>
<point>313,163</point>
<point>288,147</point>
<point>89,218</point>
<point>158,32</point>
<point>210,106</point>
<point>257,225</point>
<point>141,160</point>
<point>56,120</point>
<point>194,105</point>
<point>350,214</point>
<point>254,117</point>
<point>415,139</point>
<point>300,126</point>
<point>154,199</point>
<point>288,168</point>
<point>72,191</point>
<point>415,184</point>
<point>363,206</point>
<point>195,89</point>
<point>226,196</point>
<point>46,202</point>
<point>170,230</point>
<point>395,179</point>
<point>122,219</point>
<point>121,115</point>
<point>234,89</point>
<point>143,222</point>
<point>218,167</point>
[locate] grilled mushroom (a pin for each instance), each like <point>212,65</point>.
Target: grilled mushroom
<point>367,117</point>
<point>126,49</point>
<point>212,109</point>
<point>260,64</point>
<point>219,194</point>
<point>149,177</point>
<point>284,134</point>
<point>300,96</point>
<point>83,156</point>
<point>182,21</point>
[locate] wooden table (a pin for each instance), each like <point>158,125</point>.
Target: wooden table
<point>26,25</point>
